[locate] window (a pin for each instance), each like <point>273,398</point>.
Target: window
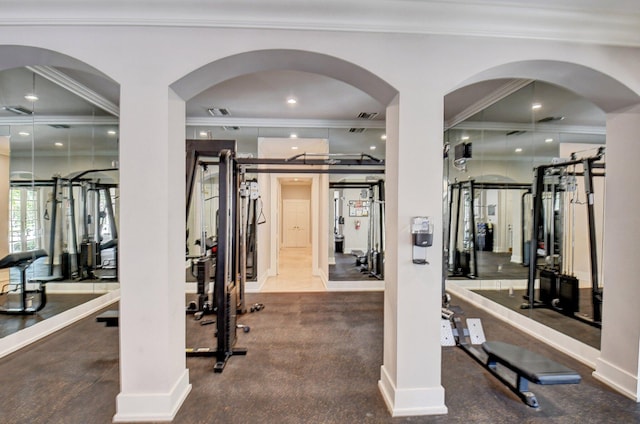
<point>24,225</point>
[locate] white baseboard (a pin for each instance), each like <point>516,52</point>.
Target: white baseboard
<point>411,402</point>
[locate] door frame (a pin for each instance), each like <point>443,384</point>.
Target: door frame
<point>276,230</point>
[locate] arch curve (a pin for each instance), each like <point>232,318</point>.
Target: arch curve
<point>603,90</point>
<point>283,59</point>
<point>16,56</point>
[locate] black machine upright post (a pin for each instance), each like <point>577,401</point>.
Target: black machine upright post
<point>473,228</point>
<point>537,192</point>
<point>596,295</point>
<point>54,224</point>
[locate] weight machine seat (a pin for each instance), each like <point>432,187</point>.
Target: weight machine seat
<point>530,365</point>
<point>21,259</point>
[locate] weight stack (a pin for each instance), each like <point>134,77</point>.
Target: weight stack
<point>569,294</point>
<point>548,286</point>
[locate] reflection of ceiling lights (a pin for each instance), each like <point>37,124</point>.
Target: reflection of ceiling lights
<point>372,147</point>
<point>383,137</point>
<point>31,97</point>
<point>548,140</point>
<point>294,147</point>
<point>58,144</point>
<point>464,138</point>
<point>536,106</point>
<point>293,135</point>
<point>24,133</point>
<point>203,133</point>
<point>519,150</point>
<point>111,132</point>
<point>292,100</point>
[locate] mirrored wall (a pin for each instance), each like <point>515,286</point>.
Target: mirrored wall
<point>59,142</point>
<point>490,162</point>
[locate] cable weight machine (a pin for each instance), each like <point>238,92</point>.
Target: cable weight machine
<point>559,288</point>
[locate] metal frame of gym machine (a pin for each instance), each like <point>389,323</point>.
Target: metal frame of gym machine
<point>375,254</point>
<point>231,260</point>
<point>538,190</point>
<point>470,185</point>
<point>71,182</point>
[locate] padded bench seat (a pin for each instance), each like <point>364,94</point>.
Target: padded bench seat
<point>529,367</point>
<point>534,367</point>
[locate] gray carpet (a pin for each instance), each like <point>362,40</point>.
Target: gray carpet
<point>313,358</point>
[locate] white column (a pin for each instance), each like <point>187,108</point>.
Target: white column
<point>411,372</point>
<point>154,380</point>
<point>620,342</point>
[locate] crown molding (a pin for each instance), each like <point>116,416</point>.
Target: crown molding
<point>539,127</point>
<point>284,123</point>
<point>562,20</point>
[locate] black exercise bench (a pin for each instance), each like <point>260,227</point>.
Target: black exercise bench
<point>528,367</point>
<point>22,261</point>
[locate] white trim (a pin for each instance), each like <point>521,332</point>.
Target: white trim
<point>22,338</point>
<point>146,407</point>
<point>410,402</point>
<point>619,379</point>
<point>284,123</point>
<point>573,22</point>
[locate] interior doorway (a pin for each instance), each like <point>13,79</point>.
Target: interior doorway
<point>295,251</point>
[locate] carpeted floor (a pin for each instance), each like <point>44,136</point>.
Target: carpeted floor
<point>312,358</point>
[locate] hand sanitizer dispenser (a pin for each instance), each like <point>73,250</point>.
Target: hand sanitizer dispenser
<point>422,236</point>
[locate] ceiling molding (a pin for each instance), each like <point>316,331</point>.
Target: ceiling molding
<point>480,105</point>
<point>73,86</point>
<point>59,120</point>
<point>614,22</point>
<point>552,128</point>
<point>285,123</point>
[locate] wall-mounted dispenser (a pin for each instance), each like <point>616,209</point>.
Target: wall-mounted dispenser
<point>422,236</point>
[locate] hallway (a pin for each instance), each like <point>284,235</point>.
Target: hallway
<point>294,273</point>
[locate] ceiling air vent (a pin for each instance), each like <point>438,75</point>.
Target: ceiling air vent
<point>59,126</point>
<point>356,130</point>
<point>230,128</point>
<point>551,119</point>
<point>18,110</point>
<point>218,111</point>
<point>516,132</point>
<point>367,115</point>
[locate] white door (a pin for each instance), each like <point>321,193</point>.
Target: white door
<point>295,222</point>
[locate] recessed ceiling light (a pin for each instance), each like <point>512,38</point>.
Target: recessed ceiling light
<point>548,140</point>
<point>24,133</point>
<point>203,133</point>
<point>518,150</point>
<point>31,97</point>
<point>465,138</point>
<point>536,106</point>
<point>383,137</point>
<point>292,101</point>
<point>59,144</point>
<point>294,147</point>
<point>372,147</point>
<point>293,135</point>
<point>111,132</point>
